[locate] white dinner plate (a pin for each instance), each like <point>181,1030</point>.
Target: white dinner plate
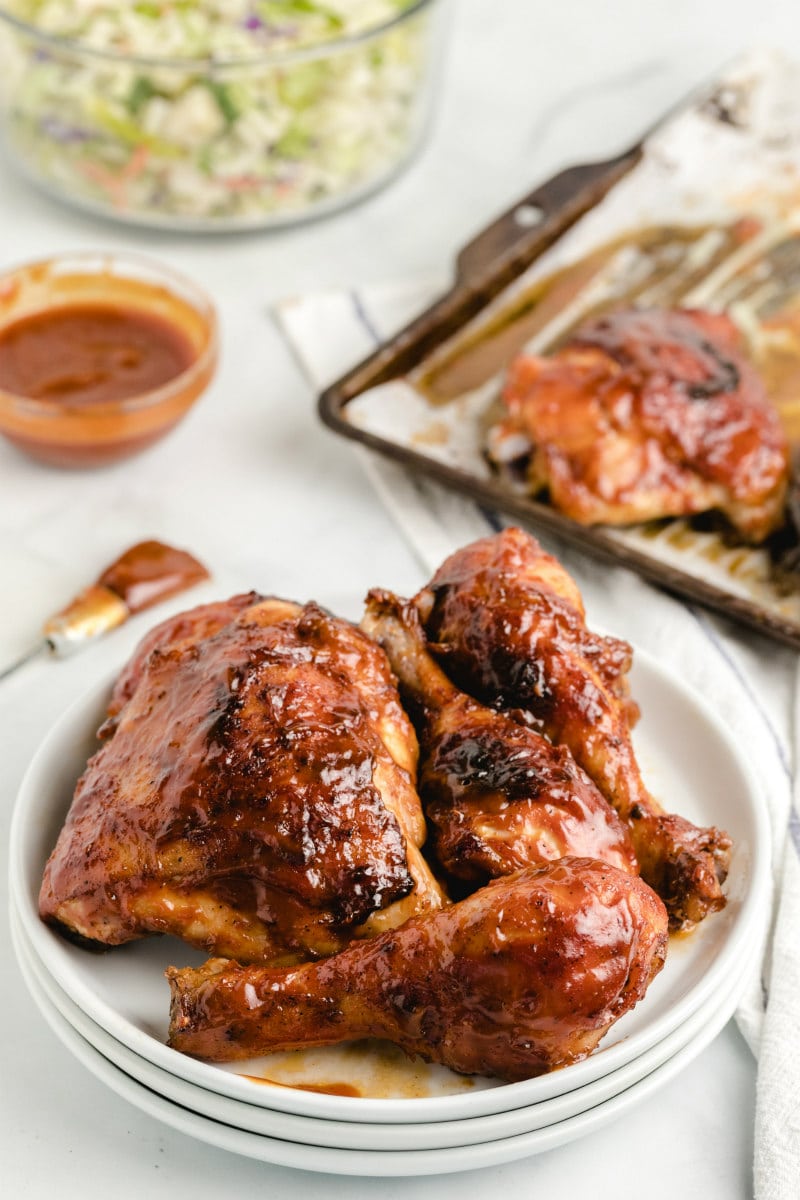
<point>330,1160</point>
<point>689,761</point>
<point>359,1135</point>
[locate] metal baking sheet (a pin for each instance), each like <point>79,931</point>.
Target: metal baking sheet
<point>705,212</point>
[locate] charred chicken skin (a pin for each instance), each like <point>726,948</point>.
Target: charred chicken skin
<point>524,975</point>
<point>254,795</point>
<point>497,795</point>
<point>506,623</point>
<point>647,414</point>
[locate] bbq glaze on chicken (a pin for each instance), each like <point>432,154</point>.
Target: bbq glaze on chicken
<point>255,794</point>
<point>184,629</point>
<point>507,624</point>
<point>524,975</point>
<point>647,414</point>
<point>497,795</point>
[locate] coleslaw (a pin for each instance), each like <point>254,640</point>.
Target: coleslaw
<point>214,113</point>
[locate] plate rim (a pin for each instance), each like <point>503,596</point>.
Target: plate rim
<point>121,1054</point>
<point>359,1162</point>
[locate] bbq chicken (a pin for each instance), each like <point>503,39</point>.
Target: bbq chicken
<point>507,624</point>
<point>647,414</point>
<point>253,796</point>
<point>525,975</point>
<point>497,795</point>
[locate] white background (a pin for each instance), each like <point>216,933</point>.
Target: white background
<point>257,489</point>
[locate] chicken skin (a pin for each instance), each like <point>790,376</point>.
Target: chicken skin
<point>506,622</point>
<point>254,795</point>
<point>525,975</point>
<point>647,414</point>
<point>497,795</point>
<point>184,629</point>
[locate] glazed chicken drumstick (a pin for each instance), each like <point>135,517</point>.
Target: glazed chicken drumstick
<point>507,624</point>
<point>498,795</point>
<point>524,975</point>
<point>254,794</point>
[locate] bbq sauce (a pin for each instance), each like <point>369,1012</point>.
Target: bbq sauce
<point>150,572</point>
<point>82,355</point>
<point>327,1089</point>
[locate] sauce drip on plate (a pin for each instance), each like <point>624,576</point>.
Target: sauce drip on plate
<point>327,1089</point>
<point>86,354</point>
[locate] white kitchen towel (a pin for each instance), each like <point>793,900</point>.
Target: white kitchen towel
<point>751,682</point>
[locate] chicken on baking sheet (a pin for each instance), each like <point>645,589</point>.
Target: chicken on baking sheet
<point>647,413</point>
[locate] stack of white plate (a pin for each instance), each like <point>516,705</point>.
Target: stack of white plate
<point>360,1109</point>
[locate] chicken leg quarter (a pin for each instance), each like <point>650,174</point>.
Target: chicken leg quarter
<point>507,623</point>
<point>524,975</point>
<point>497,794</point>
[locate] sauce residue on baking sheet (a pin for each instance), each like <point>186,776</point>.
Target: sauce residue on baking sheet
<point>435,434</point>
<point>369,1069</point>
<point>654,266</point>
<point>150,572</point>
<point>777,356</point>
<point>86,354</point>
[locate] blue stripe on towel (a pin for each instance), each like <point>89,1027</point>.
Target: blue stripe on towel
<point>364,317</point>
<point>794,829</point>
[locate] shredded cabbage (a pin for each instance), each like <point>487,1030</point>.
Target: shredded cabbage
<point>227,137</point>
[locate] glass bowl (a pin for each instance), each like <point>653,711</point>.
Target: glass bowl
<point>218,142</point>
<point>64,432</point>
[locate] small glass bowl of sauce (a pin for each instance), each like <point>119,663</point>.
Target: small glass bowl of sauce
<point>100,356</point>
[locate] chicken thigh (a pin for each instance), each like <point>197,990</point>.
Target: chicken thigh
<point>646,414</point>
<point>524,975</point>
<point>497,794</point>
<point>254,795</point>
<point>505,621</point>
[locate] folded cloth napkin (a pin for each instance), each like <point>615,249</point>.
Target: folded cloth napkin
<point>751,682</point>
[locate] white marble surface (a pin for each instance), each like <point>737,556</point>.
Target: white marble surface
<point>256,488</point>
